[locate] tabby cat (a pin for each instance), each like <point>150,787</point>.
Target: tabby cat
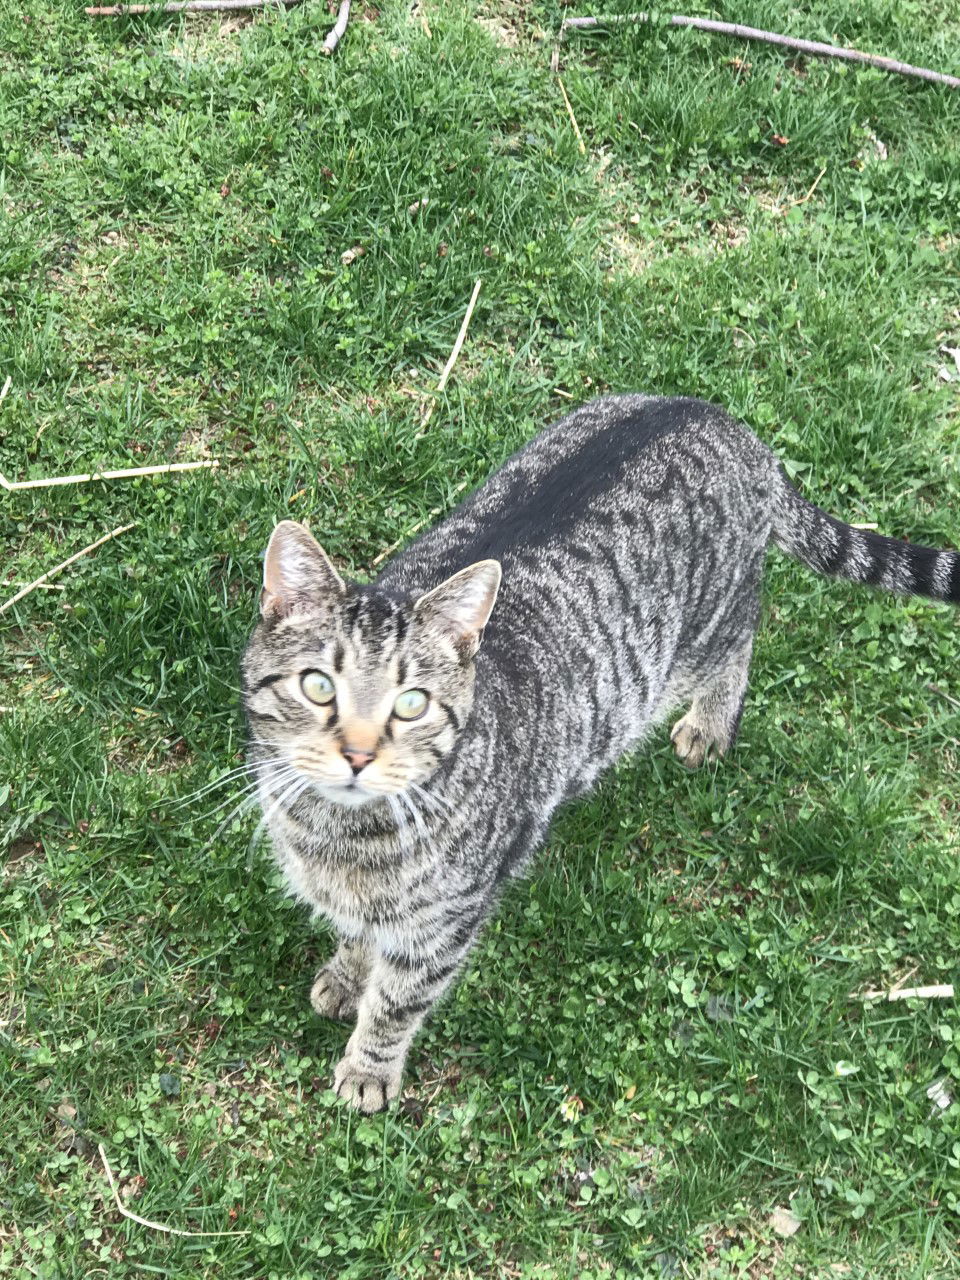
<point>413,737</point>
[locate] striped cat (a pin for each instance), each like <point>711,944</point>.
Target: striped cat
<point>611,571</point>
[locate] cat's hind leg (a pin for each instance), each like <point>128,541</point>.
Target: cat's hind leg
<point>710,726</point>
<point>339,984</point>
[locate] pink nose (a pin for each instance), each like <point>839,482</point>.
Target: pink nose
<point>357,760</point>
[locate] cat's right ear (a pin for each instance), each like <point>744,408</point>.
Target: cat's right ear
<point>298,576</point>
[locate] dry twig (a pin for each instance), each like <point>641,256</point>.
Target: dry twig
<point>935,688</point>
<point>573,118</point>
<point>448,367</point>
<point>942,991</point>
<point>186,6</point>
<point>145,1222</point>
<point>124,474</point>
<point>52,573</point>
<point>415,529</point>
<point>339,27</point>
<point>816,183</point>
<point>813,47</point>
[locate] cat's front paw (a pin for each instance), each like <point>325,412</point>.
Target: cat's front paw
<point>692,744</point>
<point>332,998</point>
<point>362,1088</point>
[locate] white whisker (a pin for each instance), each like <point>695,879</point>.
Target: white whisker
<point>291,792</point>
<point>403,829</point>
<point>284,773</point>
<point>229,776</point>
<point>431,798</point>
<point>422,832</point>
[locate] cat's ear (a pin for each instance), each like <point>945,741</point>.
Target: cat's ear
<point>461,606</point>
<point>297,574</point>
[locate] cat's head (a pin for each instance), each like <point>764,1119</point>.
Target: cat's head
<point>361,692</point>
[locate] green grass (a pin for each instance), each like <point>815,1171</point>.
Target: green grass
<point>639,1064</point>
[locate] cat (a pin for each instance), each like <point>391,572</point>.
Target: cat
<point>412,737</point>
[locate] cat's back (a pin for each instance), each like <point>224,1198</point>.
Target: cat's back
<point>578,472</point>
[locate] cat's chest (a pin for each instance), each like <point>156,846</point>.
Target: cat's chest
<point>355,898</point>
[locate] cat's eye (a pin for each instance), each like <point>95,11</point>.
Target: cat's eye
<point>410,705</point>
<point>318,687</point>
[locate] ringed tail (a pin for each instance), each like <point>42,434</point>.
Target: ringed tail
<point>830,547</point>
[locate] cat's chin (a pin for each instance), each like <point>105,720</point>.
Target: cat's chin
<point>350,795</point>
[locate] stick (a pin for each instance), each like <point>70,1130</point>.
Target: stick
<point>943,991</point>
<point>448,367</point>
<point>125,474</point>
<point>145,1222</point>
<point>339,27</point>
<point>814,47</point>
<point>816,183</point>
<point>935,688</point>
<point>573,118</point>
<point>6,388</point>
<point>185,6</point>
<point>410,532</point>
<point>52,573</point>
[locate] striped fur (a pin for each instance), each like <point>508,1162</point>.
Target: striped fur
<point>631,537</point>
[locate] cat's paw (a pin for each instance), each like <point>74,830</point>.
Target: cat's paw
<point>364,1090</point>
<point>692,745</point>
<point>332,998</point>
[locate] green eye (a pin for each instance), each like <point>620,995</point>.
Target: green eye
<point>318,688</point>
<point>411,705</point>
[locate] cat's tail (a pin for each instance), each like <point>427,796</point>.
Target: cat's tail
<point>829,546</point>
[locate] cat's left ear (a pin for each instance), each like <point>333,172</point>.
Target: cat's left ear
<point>461,606</point>
<point>298,576</point>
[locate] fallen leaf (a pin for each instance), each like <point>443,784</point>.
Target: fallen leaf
<point>571,1107</point>
<point>843,1068</point>
<point>783,1222</point>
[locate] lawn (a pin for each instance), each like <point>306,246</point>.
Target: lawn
<point>219,243</point>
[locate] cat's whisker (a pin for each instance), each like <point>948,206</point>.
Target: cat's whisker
<point>222,781</point>
<point>248,797</point>
<point>403,827</point>
<point>431,800</point>
<point>422,831</point>
<point>291,792</point>
<point>283,773</point>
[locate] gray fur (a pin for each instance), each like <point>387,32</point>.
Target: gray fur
<point>631,536</point>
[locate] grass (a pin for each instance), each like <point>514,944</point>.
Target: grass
<point>641,1061</point>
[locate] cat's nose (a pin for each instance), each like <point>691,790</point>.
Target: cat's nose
<point>356,758</point>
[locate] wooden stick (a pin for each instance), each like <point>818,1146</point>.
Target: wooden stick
<point>816,183</point>
<point>411,531</point>
<point>425,419</point>
<point>186,6</point>
<point>448,367</point>
<point>339,27</point>
<point>943,991</point>
<point>52,573</point>
<point>813,47</point>
<point>573,118</point>
<point>145,1222</point>
<point>124,474</point>
<point>935,688</point>
<point>6,388</point>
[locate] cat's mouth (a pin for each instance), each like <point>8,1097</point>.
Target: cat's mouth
<point>351,793</point>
